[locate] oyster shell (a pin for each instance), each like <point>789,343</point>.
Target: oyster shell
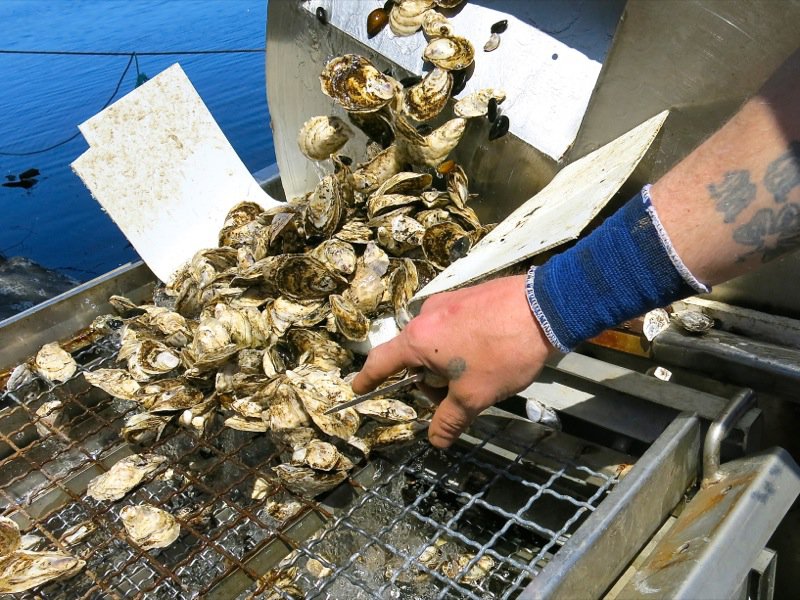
<point>322,456</point>
<point>20,376</point>
<point>116,382</point>
<point>350,321</point>
<point>406,16</point>
<point>149,527</point>
<point>23,569</point>
<point>387,163</point>
<point>150,358</point>
<point>125,475</point>
<point>476,104</point>
<point>10,539</point>
<point>445,243</point>
<point>356,84</point>
<point>144,428</point>
<point>693,321</point>
<point>386,436</point>
<point>476,573</point>
<point>404,283</point>
<point>308,482</point>
<point>367,287</point>
<point>320,350</point>
<point>435,24</point>
<point>303,277</point>
<point>378,205</point>
<point>287,412</point>
<point>54,363</point>
<point>452,53</point>
<point>325,208</point>
<point>321,136</point>
<point>425,100</point>
<point>50,416</point>
<point>319,391</point>
<point>405,182</point>
<point>240,423</point>
<point>175,399</point>
<point>387,410</point>
<point>77,533</point>
<point>337,255</point>
<point>284,313</point>
<point>354,232</point>
<point>432,149</point>
<point>241,214</point>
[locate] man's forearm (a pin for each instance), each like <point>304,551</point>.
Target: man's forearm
<point>734,202</point>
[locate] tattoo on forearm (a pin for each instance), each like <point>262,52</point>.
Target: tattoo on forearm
<point>770,231</point>
<point>783,174</point>
<point>733,194</point>
<point>455,368</point>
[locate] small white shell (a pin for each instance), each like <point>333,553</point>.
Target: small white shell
<point>655,321</point>
<point>492,43</point>
<point>321,136</point>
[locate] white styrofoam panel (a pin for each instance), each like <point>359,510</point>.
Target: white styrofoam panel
<point>548,60</point>
<point>161,167</point>
<point>555,215</point>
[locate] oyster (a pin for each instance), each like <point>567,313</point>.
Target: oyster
<point>319,391</point>
<point>445,243</point>
<point>386,436</point>
<point>320,350</point>
<point>308,482</point>
<point>125,475</point>
<point>693,321</point>
<point>245,424</point>
<point>77,533</point>
<point>287,412</point>
<point>303,277</point>
<point>23,569</point>
<point>405,182</point>
<point>387,163</point>
<point>49,416</point>
<point>317,569</point>
<point>175,399</point>
<point>151,358</point>
<point>476,104</point>
<point>9,536</point>
<point>325,208</point>
<point>20,376</point>
<point>366,289</point>
<point>144,428</point>
<point>452,53</point>
<point>356,84</point>
<point>406,16</point>
<point>387,410</point>
<point>435,24</point>
<point>403,283</point>
<point>432,149</point>
<point>116,382</point>
<point>354,232</point>
<point>283,511</point>
<point>476,573</point>
<point>425,100</point>
<point>337,255</point>
<point>322,456</point>
<point>350,321</point>
<point>378,205</point>
<point>149,527</point>
<point>262,488</point>
<point>285,313</point>
<point>54,363</point>
<point>322,136</point>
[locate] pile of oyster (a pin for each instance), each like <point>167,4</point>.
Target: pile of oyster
<point>254,333</point>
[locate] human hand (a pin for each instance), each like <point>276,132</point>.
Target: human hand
<point>483,339</point>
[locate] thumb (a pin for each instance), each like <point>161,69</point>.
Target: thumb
<point>449,421</point>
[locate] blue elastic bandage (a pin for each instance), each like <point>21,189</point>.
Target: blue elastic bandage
<point>624,268</point>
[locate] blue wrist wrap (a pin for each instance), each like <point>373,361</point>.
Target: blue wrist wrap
<point>624,268</point>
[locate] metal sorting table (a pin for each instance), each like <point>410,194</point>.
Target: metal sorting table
<point>510,489</point>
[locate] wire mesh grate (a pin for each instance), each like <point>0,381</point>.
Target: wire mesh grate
<point>477,521</point>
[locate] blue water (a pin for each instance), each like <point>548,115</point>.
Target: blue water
<point>43,99</point>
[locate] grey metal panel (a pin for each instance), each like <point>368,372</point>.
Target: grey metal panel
<point>62,316</point>
<point>722,531</point>
<point>602,548</point>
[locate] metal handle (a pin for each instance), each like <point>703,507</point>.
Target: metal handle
<point>719,430</point>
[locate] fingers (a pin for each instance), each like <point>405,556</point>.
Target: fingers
<point>450,420</point>
<point>382,362</point>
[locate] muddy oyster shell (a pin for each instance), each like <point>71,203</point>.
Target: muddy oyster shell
<point>476,573</point>
<point>144,428</point>
<point>445,243</point>
<point>356,84</point>
<point>693,321</point>
<point>123,476</point>
<point>54,363</point>
<point>452,53</point>
<point>303,277</point>
<point>386,436</point>
<point>322,136</point>
<point>387,410</point>
<point>23,569</point>
<point>149,527</point>
<point>319,391</point>
<point>425,100</point>
<point>406,17</point>
<point>50,416</point>
<point>476,104</point>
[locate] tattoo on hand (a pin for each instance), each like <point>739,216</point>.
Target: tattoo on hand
<point>455,368</point>
<point>733,194</point>
<point>783,174</point>
<point>770,232</point>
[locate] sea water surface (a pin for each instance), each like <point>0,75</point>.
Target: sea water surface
<point>43,98</point>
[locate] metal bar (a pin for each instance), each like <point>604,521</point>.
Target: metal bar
<point>612,535</point>
<point>719,430</point>
<point>721,532</point>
